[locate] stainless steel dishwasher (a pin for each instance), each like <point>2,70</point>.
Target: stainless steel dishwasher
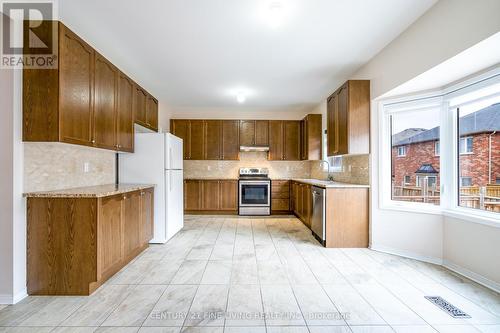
<point>318,214</point>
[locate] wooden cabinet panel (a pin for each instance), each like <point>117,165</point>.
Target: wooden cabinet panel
<point>131,223</point>
<point>76,93</point>
<point>105,94</point>
<point>197,136</point>
<point>192,195</point>
<point>348,112</point>
<point>125,114</point>
<point>152,113</point>
<point>291,140</point>
<point>280,204</point>
<point>347,217</point>
<point>140,112</point>
<point>341,123</point>
<point>275,140</point>
<point>307,205</point>
<point>230,140</point>
<point>247,132</point>
<point>228,190</point>
<point>261,132</point>
<point>111,230</point>
<point>182,129</point>
<point>311,137</point>
<point>210,195</point>
<point>213,137</point>
<point>147,215</point>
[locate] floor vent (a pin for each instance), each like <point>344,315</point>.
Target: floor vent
<point>447,307</point>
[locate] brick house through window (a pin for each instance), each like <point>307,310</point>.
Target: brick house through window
<point>479,148</point>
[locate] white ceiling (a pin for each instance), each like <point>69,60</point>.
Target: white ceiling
<point>197,53</point>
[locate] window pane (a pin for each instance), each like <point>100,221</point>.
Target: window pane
<point>415,164</point>
<point>479,158</point>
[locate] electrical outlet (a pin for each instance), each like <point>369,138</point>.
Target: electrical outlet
<point>86,167</point>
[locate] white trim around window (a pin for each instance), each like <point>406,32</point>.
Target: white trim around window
<point>449,182</point>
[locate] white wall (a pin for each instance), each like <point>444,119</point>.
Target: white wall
<point>448,28</point>
<point>12,205</point>
<point>473,249</point>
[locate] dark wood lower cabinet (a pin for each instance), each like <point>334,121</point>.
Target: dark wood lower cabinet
<point>75,244</point>
<point>302,202</point>
<point>280,197</point>
<point>210,196</point>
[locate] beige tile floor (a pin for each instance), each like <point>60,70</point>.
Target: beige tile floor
<point>221,274</point>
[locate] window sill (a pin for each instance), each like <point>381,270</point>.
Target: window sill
<point>413,208</point>
<point>484,218</point>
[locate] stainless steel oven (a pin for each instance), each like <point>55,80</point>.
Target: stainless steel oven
<point>254,192</point>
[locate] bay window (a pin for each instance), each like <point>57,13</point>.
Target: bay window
<point>463,120</point>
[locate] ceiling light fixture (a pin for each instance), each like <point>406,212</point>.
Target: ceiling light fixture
<point>276,14</point>
<point>241,97</point>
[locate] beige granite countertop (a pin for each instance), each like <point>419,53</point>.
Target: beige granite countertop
<point>329,184</point>
<point>89,191</point>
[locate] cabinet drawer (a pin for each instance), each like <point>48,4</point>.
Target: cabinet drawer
<point>280,186</point>
<point>280,204</point>
<point>280,195</point>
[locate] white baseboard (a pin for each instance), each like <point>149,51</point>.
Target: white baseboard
<point>472,276</point>
<point>13,299</point>
<point>407,254</point>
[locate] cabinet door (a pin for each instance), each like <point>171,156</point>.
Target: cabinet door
<point>105,94</point>
<point>307,205</point>
<point>182,129</point>
<point>76,81</point>
<point>192,195</point>
<point>342,120</point>
<point>261,132</point>
<point>213,138</point>
<point>147,215</point>
<point>197,150</point>
<point>125,114</point>
<point>132,223</point>
<point>275,140</point>
<point>312,137</point>
<point>247,132</point>
<point>292,140</point>
<point>332,132</point>
<point>111,234</point>
<point>303,139</point>
<point>152,113</point>
<point>140,113</point>
<point>230,139</point>
<point>228,195</point>
<point>210,195</point>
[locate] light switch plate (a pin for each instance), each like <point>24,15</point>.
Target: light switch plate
<point>86,167</point>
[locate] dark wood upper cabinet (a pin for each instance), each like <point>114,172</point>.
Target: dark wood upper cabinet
<point>348,119</point>
<point>261,132</point>
<point>230,139</point>
<point>105,95</point>
<point>197,140</point>
<point>125,114</point>
<point>152,113</point>
<point>275,140</point>
<point>182,129</point>
<point>213,139</point>
<point>291,140</point>
<point>247,132</point>
<point>311,137</point>
<point>140,112</point>
<point>81,101</point>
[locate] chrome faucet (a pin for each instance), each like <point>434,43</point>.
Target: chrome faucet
<point>330,177</point>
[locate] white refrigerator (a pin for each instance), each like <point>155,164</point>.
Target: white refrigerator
<point>158,159</point>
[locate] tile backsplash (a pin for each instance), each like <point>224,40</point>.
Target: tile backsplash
<point>229,169</point>
<point>352,169</point>
<point>52,166</point>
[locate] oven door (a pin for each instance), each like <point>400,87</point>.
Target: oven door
<point>254,193</point>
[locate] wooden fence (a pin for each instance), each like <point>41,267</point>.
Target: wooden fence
<point>479,197</point>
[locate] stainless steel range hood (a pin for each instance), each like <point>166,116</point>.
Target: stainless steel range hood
<point>254,148</point>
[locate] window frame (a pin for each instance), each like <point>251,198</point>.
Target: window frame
<point>449,176</point>
<point>437,148</point>
<point>404,151</point>
<point>465,138</point>
<point>465,177</point>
